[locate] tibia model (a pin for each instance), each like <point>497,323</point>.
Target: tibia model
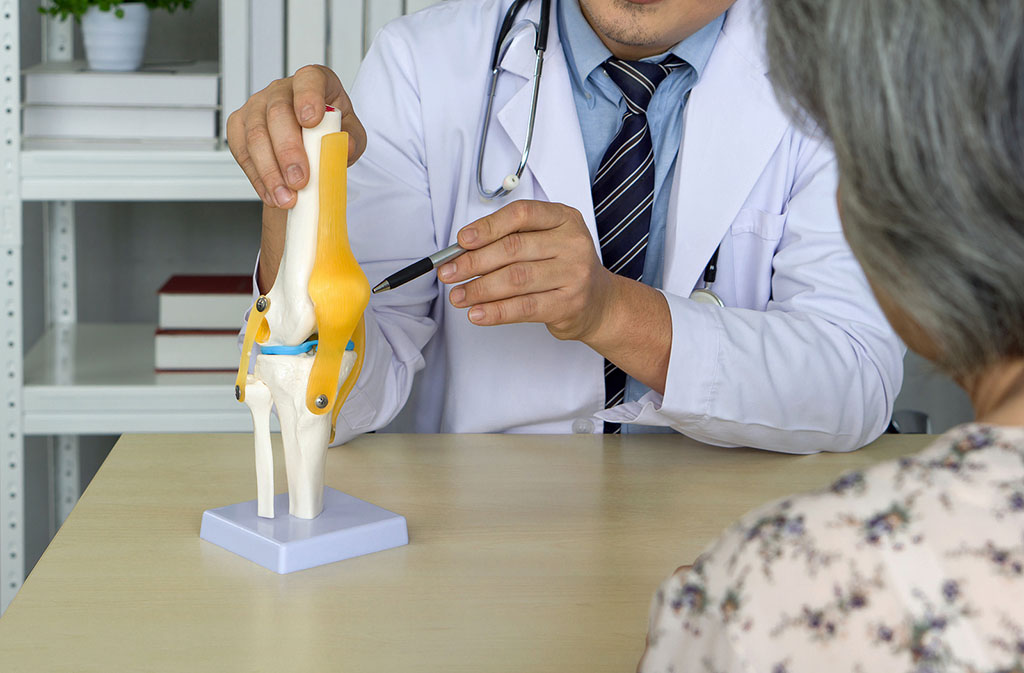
<point>304,435</point>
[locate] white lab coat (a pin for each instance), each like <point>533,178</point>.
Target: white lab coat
<point>801,360</point>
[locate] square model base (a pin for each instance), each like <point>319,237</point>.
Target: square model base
<point>346,528</point>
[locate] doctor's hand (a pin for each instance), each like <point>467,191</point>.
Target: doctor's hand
<point>533,261</point>
<point>265,134</point>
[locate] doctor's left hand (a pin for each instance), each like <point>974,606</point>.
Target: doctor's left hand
<point>537,262</point>
<point>531,261</point>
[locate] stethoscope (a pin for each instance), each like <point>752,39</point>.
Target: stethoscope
<point>508,30</point>
<point>705,295</point>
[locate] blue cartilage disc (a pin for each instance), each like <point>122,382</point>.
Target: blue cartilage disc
<point>304,347</point>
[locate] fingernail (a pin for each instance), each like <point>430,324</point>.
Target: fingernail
<point>476,314</point>
<point>282,195</point>
<point>306,113</point>
<point>268,201</point>
<point>294,174</point>
<point>447,271</point>
<point>469,235</point>
<point>457,295</point>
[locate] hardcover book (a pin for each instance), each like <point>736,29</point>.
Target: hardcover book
<point>55,121</point>
<point>196,350</point>
<point>204,302</point>
<point>186,84</point>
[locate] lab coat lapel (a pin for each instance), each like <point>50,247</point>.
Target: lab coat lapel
<point>557,161</point>
<point>733,126</point>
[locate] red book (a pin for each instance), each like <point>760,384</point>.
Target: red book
<point>204,302</point>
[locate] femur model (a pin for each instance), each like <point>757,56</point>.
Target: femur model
<point>307,364</point>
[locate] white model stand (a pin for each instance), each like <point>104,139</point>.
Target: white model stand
<point>316,529</point>
<point>348,527</point>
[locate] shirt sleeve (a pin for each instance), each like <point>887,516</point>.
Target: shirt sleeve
<point>390,226</point>
<point>819,369</point>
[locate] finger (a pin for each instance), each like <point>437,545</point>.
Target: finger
<point>265,125</point>
<point>316,86</point>
<point>236,134</point>
<point>516,247</point>
<point>309,87</point>
<point>518,279</point>
<point>523,308</point>
<point>516,216</point>
<point>286,139</point>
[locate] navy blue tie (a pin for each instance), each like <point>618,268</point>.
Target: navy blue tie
<point>623,189</point>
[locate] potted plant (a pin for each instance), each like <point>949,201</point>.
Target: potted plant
<point>114,31</point>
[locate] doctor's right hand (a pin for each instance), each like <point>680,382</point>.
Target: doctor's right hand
<point>265,134</point>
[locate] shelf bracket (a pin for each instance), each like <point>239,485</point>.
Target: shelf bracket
<point>61,315</point>
<point>58,37</point>
<point>12,487</point>
<point>61,307</point>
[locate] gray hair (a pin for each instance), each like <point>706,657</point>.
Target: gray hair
<point>923,101</point>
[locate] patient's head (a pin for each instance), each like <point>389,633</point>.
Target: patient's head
<point>924,103</point>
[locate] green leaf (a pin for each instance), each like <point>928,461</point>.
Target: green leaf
<point>77,8</point>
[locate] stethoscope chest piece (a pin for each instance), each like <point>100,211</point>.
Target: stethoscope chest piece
<point>705,296</point>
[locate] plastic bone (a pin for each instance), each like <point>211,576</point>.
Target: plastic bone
<point>319,290</point>
<point>259,401</point>
<point>305,435</point>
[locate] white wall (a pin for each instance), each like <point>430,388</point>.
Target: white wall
<point>925,389</point>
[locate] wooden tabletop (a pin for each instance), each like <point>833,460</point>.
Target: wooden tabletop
<point>527,554</point>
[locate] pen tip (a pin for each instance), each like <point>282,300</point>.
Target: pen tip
<point>380,287</point>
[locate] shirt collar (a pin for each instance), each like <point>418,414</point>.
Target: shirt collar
<point>585,52</point>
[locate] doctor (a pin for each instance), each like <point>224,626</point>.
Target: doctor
<point>528,331</point>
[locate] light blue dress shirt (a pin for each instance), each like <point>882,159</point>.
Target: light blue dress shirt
<point>600,106</point>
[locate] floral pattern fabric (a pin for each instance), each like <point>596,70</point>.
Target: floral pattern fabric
<point>914,565</point>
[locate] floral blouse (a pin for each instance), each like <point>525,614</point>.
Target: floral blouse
<point>914,565</point>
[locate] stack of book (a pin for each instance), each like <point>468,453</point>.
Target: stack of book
<point>200,317</point>
<point>176,103</point>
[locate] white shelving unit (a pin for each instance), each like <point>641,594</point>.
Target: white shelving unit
<point>98,378</point>
<point>126,175</point>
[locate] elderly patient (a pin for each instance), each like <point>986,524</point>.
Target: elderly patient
<point>918,564</point>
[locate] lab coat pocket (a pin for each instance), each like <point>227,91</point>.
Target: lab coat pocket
<point>754,238</point>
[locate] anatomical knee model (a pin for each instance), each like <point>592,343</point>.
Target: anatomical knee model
<point>310,330</point>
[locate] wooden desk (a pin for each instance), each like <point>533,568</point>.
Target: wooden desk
<point>528,554</point>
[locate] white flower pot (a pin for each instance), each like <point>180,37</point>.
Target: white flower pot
<point>113,43</point>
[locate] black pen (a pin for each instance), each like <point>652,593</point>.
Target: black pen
<point>417,269</point>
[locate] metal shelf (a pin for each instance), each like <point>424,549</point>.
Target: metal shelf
<point>144,173</point>
<point>98,379</point>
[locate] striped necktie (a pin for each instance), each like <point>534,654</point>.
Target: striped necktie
<point>623,189</point>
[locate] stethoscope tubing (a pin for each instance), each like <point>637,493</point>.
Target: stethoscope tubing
<point>506,33</point>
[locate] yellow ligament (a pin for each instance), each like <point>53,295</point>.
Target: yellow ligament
<point>359,341</point>
<point>337,286</point>
<point>256,329</point>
